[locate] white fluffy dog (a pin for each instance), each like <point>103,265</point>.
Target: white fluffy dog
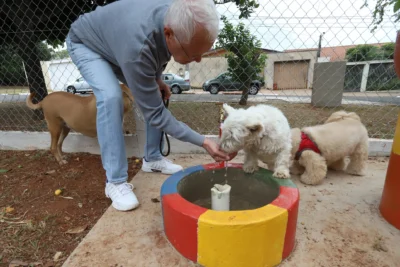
<point>263,132</point>
<point>317,148</point>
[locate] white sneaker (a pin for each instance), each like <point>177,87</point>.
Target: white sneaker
<point>164,166</point>
<point>122,196</point>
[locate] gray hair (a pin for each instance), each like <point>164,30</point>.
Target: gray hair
<point>184,15</point>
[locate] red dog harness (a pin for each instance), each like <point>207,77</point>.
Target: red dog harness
<point>306,144</point>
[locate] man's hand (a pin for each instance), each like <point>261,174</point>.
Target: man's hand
<point>218,155</point>
<point>164,87</point>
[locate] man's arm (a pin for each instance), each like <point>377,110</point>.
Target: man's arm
<point>141,78</point>
<point>159,72</point>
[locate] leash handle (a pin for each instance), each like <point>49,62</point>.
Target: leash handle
<point>166,104</point>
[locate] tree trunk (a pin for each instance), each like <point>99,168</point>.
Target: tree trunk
<point>245,91</point>
<point>36,81</point>
<point>245,95</point>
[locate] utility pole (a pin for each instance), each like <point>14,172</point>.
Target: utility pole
<point>319,45</point>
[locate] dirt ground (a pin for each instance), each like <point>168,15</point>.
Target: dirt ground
<point>38,227</point>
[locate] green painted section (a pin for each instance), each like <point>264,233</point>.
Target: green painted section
<point>266,176</point>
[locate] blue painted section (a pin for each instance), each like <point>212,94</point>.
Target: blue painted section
<point>170,186</point>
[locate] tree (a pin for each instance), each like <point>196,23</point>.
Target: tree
<point>12,71</point>
<point>25,23</point>
<point>380,9</point>
<point>60,54</point>
<point>388,50</point>
<point>362,53</point>
<point>11,68</point>
<point>368,52</point>
<point>245,58</point>
<point>246,7</point>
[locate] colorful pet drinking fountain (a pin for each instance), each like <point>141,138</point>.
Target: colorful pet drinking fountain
<point>217,215</point>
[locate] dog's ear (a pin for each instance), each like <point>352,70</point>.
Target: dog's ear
<point>228,109</point>
<point>255,128</point>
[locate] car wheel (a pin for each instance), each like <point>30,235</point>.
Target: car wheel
<point>71,89</point>
<point>214,89</point>
<point>253,89</point>
<point>176,90</point>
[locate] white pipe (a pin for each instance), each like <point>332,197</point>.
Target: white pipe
<point>220,198</point>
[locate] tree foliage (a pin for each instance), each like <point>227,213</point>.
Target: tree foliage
<point>245,58</point>
<point>368,52</point>
<point>246,7</point>
<point>25,23</point>
<point>60,54</point>
<point>381,7</point>
<point>12,72</point>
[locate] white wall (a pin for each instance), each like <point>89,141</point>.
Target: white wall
<point>59,72</point>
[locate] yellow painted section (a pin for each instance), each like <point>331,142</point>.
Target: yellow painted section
<point>396,140</point>
<point>249,238</point>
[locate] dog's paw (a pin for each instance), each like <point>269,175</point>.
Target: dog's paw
<point>282,174</point>
<point>311,180</point>
<point>356,172</point>
<point>250,168</point>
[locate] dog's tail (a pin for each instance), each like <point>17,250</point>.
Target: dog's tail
<point>30,104</point>
<point>125,89</point>
<point>342,115</point>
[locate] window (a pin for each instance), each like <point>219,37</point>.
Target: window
<point>169,77</point>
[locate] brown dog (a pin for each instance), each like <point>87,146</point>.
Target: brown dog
<point>64,111</point>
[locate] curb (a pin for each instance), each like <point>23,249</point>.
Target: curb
<point>75,143</point>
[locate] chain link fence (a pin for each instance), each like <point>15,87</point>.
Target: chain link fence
<point>308,58</point>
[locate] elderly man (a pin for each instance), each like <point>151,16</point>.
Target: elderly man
<point>131,41</point>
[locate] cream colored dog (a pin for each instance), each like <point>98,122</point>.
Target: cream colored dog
<point>317,148</point>
<point>64,111</point>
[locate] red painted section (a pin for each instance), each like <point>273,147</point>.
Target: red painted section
<point>220,165</point>
<point>177,212</point>
<point>390,202</point>
<point>289,200</point>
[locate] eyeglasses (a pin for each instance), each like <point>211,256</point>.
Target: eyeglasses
<point>192,58</point>
<point>184,50</point>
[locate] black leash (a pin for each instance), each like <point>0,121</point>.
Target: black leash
<point>166,104</point>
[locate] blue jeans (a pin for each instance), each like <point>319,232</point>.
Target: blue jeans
<point>104,80</point>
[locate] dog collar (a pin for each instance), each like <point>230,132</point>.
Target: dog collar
<point>306,144</point>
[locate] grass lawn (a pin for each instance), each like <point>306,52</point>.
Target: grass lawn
<point>203,117</point>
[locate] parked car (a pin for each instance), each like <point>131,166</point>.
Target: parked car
<point>78,86</point>
<point>224,82</point>
<point>176,82</point>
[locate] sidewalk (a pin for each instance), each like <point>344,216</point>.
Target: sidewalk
<point>339,225</point>
<point>301,92</point>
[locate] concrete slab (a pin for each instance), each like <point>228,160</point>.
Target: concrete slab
<point>339,225</point>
